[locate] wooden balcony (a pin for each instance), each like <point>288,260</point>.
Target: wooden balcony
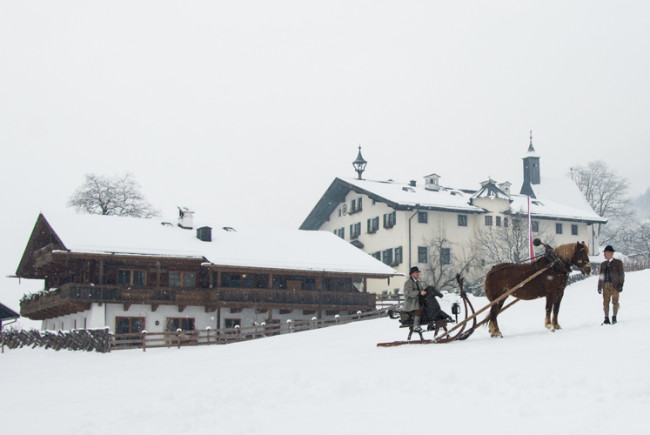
<point>72,298</point>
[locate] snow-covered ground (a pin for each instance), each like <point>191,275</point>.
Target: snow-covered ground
<point>584,379</point>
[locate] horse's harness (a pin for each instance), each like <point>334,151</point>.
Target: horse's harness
<point>555,262</point>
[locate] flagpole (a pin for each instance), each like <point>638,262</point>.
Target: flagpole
<point>531,252</point>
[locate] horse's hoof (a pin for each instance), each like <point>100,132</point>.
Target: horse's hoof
<point>496,335</point>
<point>556,326</point>
<point>549,326</point>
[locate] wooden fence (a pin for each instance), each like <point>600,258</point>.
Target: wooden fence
<point>149,340</point>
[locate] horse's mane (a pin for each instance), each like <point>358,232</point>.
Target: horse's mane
<point>567,251</point>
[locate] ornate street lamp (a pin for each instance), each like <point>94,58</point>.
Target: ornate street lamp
<point>359,164</point>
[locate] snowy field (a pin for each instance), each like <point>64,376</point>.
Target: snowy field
<point>584,379</point>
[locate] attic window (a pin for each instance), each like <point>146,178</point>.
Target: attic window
<point>408,189</point>
<point>537,203</point>
<point>456,193</point>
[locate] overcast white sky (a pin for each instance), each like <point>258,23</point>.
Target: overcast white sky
<point>245,111</point>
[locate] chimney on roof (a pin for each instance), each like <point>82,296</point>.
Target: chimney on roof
<point>185,218</point>
<point>204,234</point>
<point>412,183</point>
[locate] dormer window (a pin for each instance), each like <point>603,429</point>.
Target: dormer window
<point>432,182</point>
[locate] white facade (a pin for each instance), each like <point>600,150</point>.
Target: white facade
<point>424,216</point>
<point>105,315</point>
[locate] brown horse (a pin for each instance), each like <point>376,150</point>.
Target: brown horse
<point>549,284</point>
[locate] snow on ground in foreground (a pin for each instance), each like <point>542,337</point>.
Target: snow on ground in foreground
<point>586,378</point>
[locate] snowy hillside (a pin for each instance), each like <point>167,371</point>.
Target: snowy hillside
<point>584,379</point>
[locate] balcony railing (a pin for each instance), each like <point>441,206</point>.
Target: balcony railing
<point>71,298</point>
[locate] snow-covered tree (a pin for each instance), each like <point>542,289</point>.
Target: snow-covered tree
<point>119,195</point>
<point>606,192</point>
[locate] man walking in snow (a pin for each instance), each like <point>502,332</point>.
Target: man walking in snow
<point>413,289</point>
<point>610,282</point>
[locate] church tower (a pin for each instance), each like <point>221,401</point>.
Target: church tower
<point>531,170</point>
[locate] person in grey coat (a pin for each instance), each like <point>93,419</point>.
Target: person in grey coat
<point>413,289</point>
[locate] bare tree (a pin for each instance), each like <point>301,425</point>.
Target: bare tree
<point>119,195</point>
<point>444,263</point>
<point>605,190</point>
<point>505,244</point>
<point>634,239</point>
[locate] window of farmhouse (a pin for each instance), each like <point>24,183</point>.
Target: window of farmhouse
<point>398,255</point>
<point>535,226</point>
<point>445,256</point>
<point>462,220</point>
<point>373,224</point>
<point>129,325</point>
<point>231,280</point>
<point>558,228</point>
<point>389,220</point>
<point>498,221</point>
<point>423,217</point>
<point>182,279</point>
<point>131,277</point>
<point>574,229</point>
<point>387,256</point>
<point>355,230</point>
<point>174,323</point>
<point>423,256</point>
<point>488,221</point>
<point>231,323</point>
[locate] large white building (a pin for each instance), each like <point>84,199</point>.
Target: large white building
<point>438,228</point>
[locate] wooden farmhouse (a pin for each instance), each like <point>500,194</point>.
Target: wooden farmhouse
<point>438,228</point>
<point>142,274</point>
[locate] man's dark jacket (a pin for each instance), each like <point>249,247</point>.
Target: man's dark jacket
<point>615,271</point>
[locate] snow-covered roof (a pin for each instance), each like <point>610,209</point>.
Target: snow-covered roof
<point>268,249</point>
<point>557,198</point>
<point>406,195</point>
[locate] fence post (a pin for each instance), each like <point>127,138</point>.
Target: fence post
<point>208,329</point>
<point>144,340</point>
<point>289,325</point>
<point>178,336</point>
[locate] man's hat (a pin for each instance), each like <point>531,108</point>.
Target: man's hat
<point>414,269</point>
<point>609,248</point>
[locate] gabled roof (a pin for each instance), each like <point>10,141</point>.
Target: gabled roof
<point>489,189</point>
<point>7,313</point>
<point>557,198</point>
<point>265,249</point>
<point>401,196</point>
